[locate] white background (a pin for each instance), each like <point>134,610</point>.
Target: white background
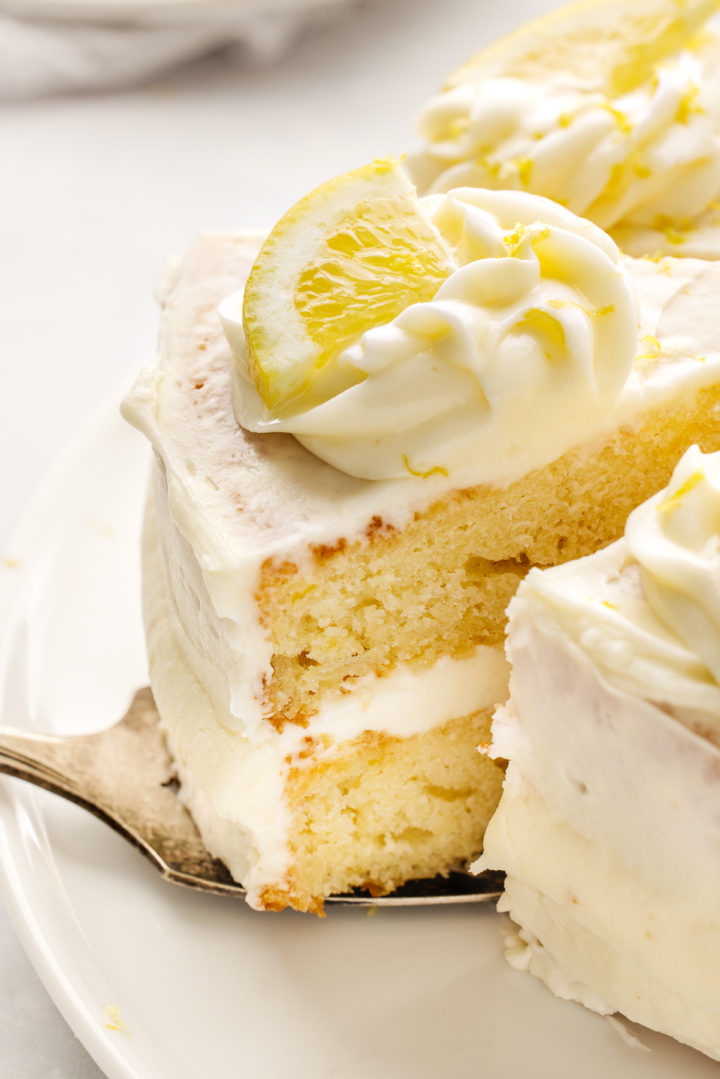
<point>97,190</point>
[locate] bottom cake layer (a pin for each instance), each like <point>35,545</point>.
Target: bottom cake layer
<point>300,814</point>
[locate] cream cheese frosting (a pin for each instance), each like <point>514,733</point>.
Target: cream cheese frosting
<point>610,815</point>
<point>527,347</point>
<point>646,159</point>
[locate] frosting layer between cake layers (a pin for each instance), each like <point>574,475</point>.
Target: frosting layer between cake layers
<point>609,821</point>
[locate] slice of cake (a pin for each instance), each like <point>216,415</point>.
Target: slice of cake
<point>611,109</point>
<point>326,648</point>
<point>609,823</point>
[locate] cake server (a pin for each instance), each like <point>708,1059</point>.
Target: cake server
<point>125,776</point>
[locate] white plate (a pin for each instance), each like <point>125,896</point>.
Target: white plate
<point>203,986</point>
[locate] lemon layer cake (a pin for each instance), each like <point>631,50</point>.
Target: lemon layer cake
<point>610,108</point>
<point>325,580</point>
<point>609,823</point>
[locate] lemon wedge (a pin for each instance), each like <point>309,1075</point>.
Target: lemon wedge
<point>351,255</point>
<point>618,41</point>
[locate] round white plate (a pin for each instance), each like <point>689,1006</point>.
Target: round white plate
<point>161,983</point>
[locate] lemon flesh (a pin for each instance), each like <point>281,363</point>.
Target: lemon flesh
<point>350,256</point>
<point>619,42</point>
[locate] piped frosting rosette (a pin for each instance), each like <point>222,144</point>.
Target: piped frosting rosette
<point>523,348</point>
<point>645,161</point>
<point>675,539</point>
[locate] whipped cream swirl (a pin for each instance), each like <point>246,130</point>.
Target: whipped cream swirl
<point>649,157</point>
<point>522,350</point>
<point>675,539</point>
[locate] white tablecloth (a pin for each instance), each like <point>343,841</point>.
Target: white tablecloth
<point>97,190</point>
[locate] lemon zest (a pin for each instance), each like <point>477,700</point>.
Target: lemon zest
<point>538,321</point>
<point>675,232</point>
<point>654,348</point>
<point>618,115</point>
<point>676,498</point>
<point>688,105</point>
<point>438,470</point>
<point>493,168</point>
<point>458,126</point>
<point>524,167</point>
<point>592,312</point>
<point>514,239</point>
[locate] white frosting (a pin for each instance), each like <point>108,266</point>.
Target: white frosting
<point>609,822</point>
<point>527,345</point>
<point>648,158</point>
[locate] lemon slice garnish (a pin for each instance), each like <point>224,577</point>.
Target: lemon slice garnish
<point>351,255</point>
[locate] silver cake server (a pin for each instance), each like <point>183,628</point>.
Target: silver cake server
<point>125,776</point>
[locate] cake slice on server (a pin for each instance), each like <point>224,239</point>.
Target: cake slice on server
<point>609,822</point>
<point>412,402</point>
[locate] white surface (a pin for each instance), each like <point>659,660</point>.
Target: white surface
<point>95,193</point>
